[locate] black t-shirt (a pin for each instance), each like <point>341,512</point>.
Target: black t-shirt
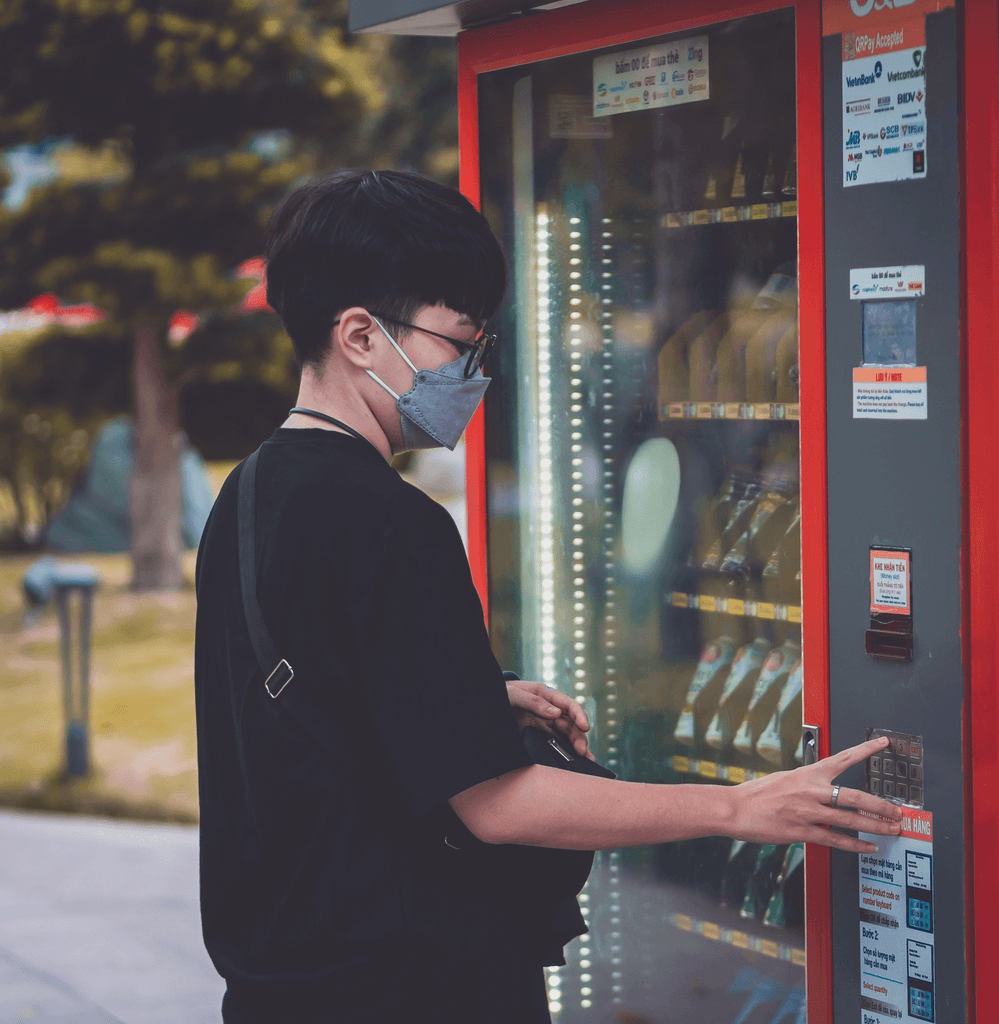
<point>315,874</point>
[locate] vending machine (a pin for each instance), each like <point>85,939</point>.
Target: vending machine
<point>734,483</point>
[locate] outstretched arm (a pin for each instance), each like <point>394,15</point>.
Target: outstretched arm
<point>543,806</point>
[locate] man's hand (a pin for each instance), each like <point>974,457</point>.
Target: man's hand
<point>535,704</point>
<point>788,807</point>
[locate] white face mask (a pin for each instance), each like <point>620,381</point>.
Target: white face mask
<point>436,410</point>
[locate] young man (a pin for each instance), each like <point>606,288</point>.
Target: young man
<point>327,894</point>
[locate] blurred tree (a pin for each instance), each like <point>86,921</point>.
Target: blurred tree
<point>203,112</point>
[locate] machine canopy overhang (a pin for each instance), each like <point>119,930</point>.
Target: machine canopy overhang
<point>423,18</point>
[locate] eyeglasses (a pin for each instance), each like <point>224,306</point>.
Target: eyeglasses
<point>477,350</point>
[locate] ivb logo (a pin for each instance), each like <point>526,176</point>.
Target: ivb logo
<point>853,139</point>
<point>852,175</point>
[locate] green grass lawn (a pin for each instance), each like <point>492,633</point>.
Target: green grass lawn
<point>142,726</point>
<point>143,752</point>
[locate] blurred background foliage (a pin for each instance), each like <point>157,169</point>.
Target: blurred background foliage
<point>169,131</point>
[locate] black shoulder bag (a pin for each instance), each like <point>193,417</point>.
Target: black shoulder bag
<point>501,871</point>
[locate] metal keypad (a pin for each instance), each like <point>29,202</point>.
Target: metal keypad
<point>897,772</point>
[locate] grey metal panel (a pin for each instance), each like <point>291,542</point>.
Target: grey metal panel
<point>426,17</point>
<point>899,483</point>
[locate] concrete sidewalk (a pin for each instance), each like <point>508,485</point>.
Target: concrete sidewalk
<point>99,923</point>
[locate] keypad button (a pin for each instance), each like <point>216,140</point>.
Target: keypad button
<point>902,747</point>
<point>876,787</point>
<point>916,795</point>
<point>916,772</point>
<point>887,766</point>
<point>887,788</point>
<point>916,751</point>
<point>876,764</point>
<point>901,791</point>
<point>901,769</point>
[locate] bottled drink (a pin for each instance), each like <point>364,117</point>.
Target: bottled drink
<point>785,727</point>
<point>786,908</point>
<point>713,516</point>
<point>738,870</point>
<point>736,693</point>
<point>766,693</point>
<point>777,582</point>
<point>740,512</point>
<point>767,525</point>
<point>763,881</point>
<point>704,688</point>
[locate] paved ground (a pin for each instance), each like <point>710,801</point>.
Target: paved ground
<point>99,923</point>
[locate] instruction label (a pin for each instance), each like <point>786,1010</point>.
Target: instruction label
<point>890,582</point>
<point>889,393</point>
<point>654,76</point>
<point>897,966</point>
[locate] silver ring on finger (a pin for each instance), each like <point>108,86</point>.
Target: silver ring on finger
<point>835,796</point>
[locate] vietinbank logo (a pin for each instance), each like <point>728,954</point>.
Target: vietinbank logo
<point>855,81</point>
<point>861,8</point>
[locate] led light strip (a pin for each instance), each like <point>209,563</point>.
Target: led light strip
<point>546,554</point>
<point>610,579</point>
<point>576,271</point>
<point>579,610</point>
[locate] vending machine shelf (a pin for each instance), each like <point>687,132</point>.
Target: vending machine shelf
<point>730,214</point>
<point>731,411</point>
<point>737,606</point>
<point>713,770</point>
<point>740,939</point>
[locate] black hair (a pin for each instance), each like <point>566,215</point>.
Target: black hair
<point>389,241</point>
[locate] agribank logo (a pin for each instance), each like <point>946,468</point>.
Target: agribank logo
<point>861,8</point>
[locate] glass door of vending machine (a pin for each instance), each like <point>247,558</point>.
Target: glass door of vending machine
<point>642,474</point>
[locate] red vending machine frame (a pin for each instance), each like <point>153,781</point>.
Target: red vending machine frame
<point>980,273</point>
<point>600,23</point>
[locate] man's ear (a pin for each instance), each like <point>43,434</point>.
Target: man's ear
<point>352,337</point>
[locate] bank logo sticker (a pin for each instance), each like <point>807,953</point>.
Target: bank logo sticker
<point>878,92</point>
<point>664,75</point>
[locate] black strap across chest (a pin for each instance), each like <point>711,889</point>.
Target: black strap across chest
<point>277,671</point>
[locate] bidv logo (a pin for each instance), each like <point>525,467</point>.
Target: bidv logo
<point>853,139</point>
<point>906,97</point>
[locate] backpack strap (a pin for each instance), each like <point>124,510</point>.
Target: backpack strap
<point>278,673</point>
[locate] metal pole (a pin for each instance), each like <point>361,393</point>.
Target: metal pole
<point>65,651</point>
<point>76,699</point>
